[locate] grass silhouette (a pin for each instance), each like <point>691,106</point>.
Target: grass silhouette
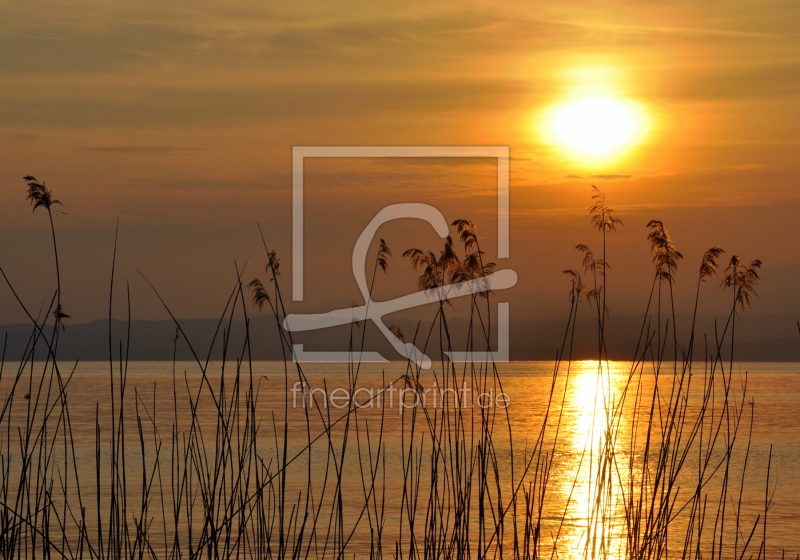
<point>212,477</point>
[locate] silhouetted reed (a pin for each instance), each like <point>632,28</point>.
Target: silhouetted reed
<point>212,477</point>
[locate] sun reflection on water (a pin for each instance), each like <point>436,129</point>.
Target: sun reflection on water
<point>593,512</point>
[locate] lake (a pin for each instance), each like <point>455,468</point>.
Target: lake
<point>376,460</point>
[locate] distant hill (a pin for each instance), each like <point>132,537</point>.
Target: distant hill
<point>759,338</point>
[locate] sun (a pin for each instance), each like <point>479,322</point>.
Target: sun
<point>595,127</point>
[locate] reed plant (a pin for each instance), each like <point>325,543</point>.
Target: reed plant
<point>234,470</point>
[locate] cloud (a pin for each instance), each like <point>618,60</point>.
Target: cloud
<point>163,105</point>
<point>113,47</point>
<point>140,150</point>
<point>605,177</point>
<point>610,177</point>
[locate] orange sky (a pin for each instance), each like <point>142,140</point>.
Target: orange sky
<point>179,119</point>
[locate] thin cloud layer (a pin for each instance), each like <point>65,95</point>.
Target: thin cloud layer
<point>176,113</point>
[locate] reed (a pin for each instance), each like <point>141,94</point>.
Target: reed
<point>210,470</point>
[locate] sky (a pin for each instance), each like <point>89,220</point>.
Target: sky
<point>177,120</point>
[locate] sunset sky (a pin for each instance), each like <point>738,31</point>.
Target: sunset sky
<point>179,118</point>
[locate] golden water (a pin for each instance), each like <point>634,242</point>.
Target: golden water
<point>587,504</point>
